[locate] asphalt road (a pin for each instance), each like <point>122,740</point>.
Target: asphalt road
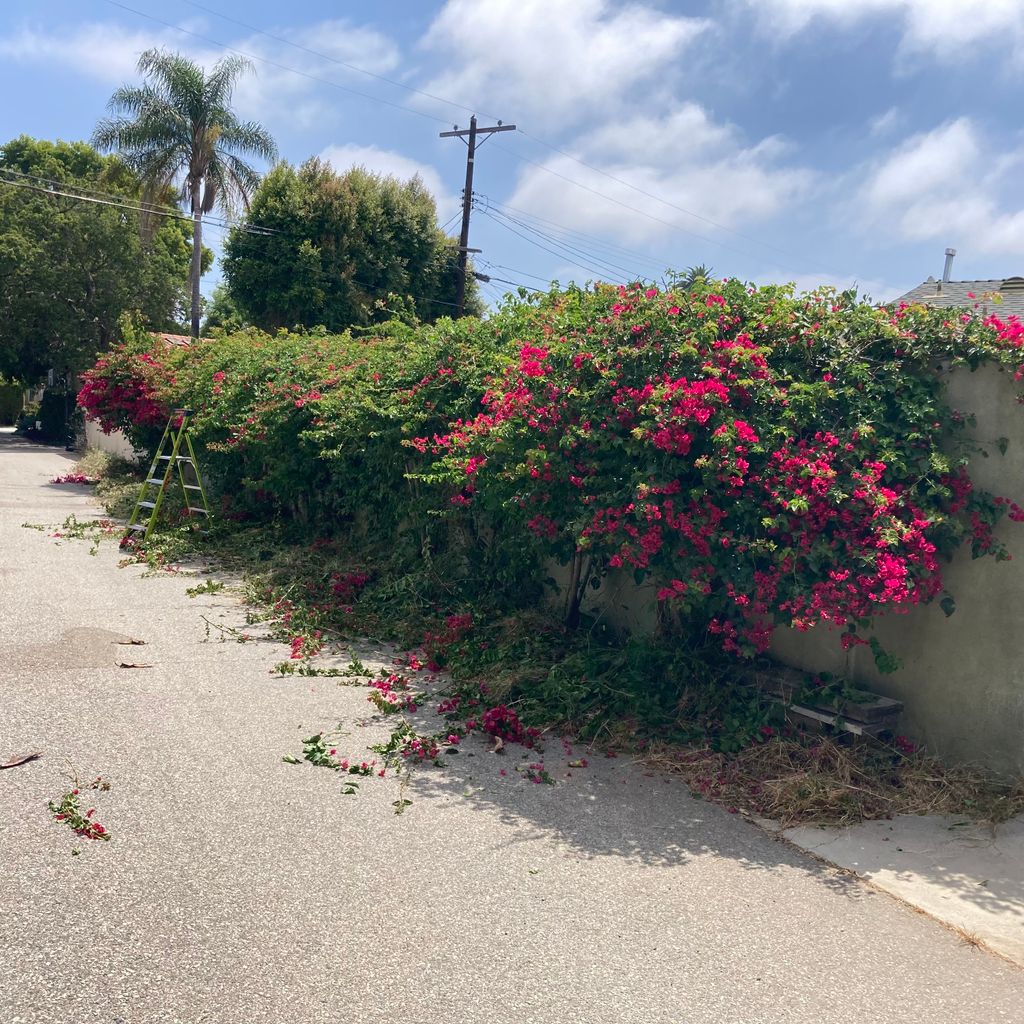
<point>242,890</point>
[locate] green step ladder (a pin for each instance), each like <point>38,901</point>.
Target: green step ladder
<point>180,459</point>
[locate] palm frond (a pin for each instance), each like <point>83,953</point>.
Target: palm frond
<point>249,137</point>
<point>221,82</point>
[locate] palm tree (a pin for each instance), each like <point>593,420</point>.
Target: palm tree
<point>692,276</point>
<point>178,130</point>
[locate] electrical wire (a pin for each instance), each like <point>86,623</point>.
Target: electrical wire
<point>472,110</point>
<point>451,220</point>
<point>596,242</point>
<point>595,258</point>
<point>651,195</point>
<point>275,64</point>
<point>491,277</point>
<point>213,222</point>
<point>517,156</point>
<point>601,274</point>
<point>617,202</point>
<point>514,270</point>
<point>144,207</point>
<point>575,254</point>
<point>335,60</point>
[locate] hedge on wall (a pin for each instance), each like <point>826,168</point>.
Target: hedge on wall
<point>764,458</point>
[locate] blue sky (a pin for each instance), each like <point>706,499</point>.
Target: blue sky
<point>807,140</point>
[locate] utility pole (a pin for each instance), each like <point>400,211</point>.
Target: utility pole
<point>469,136</point>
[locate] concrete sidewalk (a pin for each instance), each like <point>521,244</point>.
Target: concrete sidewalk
<point>970,877</point>
<point>242,890</point>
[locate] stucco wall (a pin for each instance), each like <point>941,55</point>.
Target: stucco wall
<point>962,679</point>
<point>115,443</point>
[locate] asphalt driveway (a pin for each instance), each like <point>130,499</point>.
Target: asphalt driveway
<point>239,889</point>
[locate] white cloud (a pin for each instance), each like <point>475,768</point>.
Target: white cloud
<point>109,51</point>
<point>946,28</point>
<point>886,123</point>
<point>397,165</point>
<point>553,60</point>
<point>925,165</point>
<point>808,281</point>
<point>693,162</point>
<point>942,185</point>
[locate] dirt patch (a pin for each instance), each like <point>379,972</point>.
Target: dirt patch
<point>82,647</point>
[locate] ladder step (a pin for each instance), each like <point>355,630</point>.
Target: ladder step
<point>191,487</point>
<point>154,480</point>
<point>147,504</point>
<point>137,526</point>
<point>181,458</point>
<point>201,511</point>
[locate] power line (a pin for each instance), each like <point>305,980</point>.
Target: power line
<point>605,265</point>
<point>275,64</point>
<point>515,270</point>
<point>487,278</point>
<point>598,243</point>
<point>617,202</point>
<point>411,110</point>
<point>460,106</point>
<point>656,198</point>
<point>450,221</point>
<point>561,256</point>
<point>336,60</point>
<point>144,207</point>
<point>496,292</point>
<point>596,258</point>
<point>105,199</point>
<point>98,200</point>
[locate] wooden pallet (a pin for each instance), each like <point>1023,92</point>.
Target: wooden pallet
<point>863,713</point>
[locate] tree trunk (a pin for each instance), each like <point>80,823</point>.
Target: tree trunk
<point>197,259</point>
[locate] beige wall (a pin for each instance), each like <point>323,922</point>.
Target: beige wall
<point>962,679</point>
<point>115,442</point>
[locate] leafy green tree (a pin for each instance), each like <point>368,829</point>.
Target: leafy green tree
<point>341,250</point>
<point>69,265</point>
<point>178,128</point>
<point>222,313</point>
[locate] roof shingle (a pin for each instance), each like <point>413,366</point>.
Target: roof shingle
<point>954,294</point>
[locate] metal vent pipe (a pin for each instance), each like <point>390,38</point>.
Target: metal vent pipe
<point>948,268</point>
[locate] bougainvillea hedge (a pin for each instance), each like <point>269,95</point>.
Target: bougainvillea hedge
<point>764,458</point>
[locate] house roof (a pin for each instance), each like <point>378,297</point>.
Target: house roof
<point>175,340</point>
<point>955,293</point>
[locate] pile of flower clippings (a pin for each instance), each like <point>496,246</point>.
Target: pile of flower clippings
<point>73,478</point>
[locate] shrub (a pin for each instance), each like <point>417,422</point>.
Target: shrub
<point>761,458</point>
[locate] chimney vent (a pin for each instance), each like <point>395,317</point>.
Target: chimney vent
<point>948,268</point>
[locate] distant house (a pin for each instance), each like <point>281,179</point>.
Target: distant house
<point>970,293</point>
<point>174,340</point>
